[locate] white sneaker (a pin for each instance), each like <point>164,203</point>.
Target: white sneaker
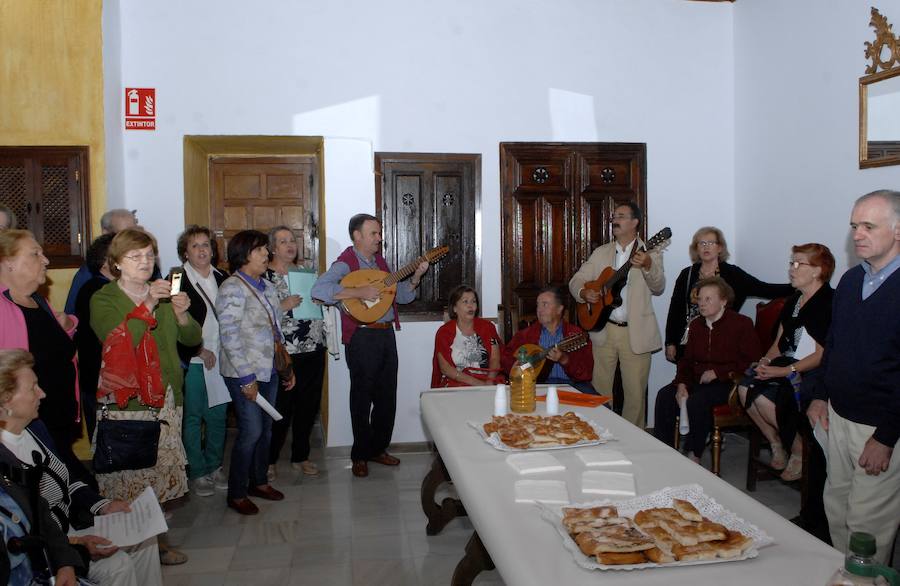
<point>203,486</point>
<point>219,479</point>
<point>271,473</point>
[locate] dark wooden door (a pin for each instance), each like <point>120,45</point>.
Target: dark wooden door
<point>556,201</point>
<point>263,192</point>
<point>428,200</point>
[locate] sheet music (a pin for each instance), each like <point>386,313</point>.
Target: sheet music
<point>145,520</point>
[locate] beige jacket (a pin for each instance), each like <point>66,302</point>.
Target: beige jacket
<point>643,329</point>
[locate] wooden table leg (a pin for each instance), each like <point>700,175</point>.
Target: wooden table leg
<point>476,560</point>
<point>450,508</point>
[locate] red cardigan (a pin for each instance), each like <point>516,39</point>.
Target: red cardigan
<point>581,362</point>
<point>443,339</point>
<point>728,348</point>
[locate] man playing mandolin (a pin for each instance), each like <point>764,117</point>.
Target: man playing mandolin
<point>370,347</point>
<point>631,333</point>
<point>553,334</point>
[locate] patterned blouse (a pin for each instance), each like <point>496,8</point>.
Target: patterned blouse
<point>301,335</point>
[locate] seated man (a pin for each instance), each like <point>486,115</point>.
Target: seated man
<point>563,368</point>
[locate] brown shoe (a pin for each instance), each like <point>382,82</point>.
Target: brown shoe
<point>386,459</point>
<point>266,492</point>
<point>360,468</point>
<point>243,506</point>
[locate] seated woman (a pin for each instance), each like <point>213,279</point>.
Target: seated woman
<point>721,344</point>
<point>803,325</point>
<point>21,437</point>
<point>464,343</point>
<point>709,251</point>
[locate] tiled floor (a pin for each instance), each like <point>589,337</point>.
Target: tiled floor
<point>336,530</point>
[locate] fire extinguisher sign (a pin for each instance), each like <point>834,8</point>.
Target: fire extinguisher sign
<point>140,108</point>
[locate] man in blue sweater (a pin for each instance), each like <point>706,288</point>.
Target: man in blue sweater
<point>858,399</point>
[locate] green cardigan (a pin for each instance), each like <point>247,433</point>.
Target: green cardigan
<point>110,305</point>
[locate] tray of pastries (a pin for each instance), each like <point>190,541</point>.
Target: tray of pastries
<point>671,527</point>
<point>514,433</point>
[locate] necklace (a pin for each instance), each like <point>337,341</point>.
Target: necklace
<point>136,297</point>
<point>706,275</point>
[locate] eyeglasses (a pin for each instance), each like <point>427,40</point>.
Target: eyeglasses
<point>707,243</point>
<point>795,264</point>
<point>149,257</point>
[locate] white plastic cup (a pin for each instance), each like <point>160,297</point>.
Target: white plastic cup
<point>501,403</point>
<point>552,401</point>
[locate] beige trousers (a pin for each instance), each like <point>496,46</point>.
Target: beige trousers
<point>635,370</point>
<point>854,500</point>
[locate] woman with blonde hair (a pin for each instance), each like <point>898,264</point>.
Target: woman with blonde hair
<point>709,253</point>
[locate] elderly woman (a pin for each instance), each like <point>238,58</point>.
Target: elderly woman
<point>27,321</point>
<point>465,342</point>
<point>89,346</point>
<point>249,312</point>
<point>721,344</point>
<point>7,218</point>
<point>798,347</point>
<point>305,341</point>
<point>22,436</point>
<point>709,251</point>
<point>144,306</point>
<point>205,396</point>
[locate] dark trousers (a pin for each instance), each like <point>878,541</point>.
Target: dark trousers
<point>700,403</point>
<point>372,360</point>
<point>812,515</point>
<point>250,453</point>
<point>300,404</point>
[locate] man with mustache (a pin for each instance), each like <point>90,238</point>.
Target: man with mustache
<point>632,332</point>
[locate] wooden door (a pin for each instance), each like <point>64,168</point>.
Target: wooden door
<point>428,200</point>
<point>556,201</point>
<point>263,192</point>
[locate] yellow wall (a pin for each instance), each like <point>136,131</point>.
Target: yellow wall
<point>51,88</point>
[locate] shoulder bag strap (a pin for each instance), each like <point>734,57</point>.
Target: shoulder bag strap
<point>268,316</point>
<point>212,305</point>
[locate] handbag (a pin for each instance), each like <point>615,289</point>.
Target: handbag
<point>125,444</point>
<point>282,360</point>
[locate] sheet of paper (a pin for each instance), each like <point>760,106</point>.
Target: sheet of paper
<point>822,437</point>
<point>805,346</point>
<point>268,408</point>
<point>216,391</point>
<point>145,520</point>
<point>300,282</point>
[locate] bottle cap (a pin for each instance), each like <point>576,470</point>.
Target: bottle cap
<point>862,543</point>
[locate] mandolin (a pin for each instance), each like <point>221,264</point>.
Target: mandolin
<point>537,355</point>
<point>366,311</point>
<point>593,316</point>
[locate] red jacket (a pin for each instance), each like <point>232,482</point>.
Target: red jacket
<point>728,348</point>
<point>443,339</point>
<point>581,362</point>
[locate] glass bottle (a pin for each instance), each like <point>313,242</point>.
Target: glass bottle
<point>522,382</point>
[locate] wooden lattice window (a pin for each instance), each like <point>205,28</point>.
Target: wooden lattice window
<point>47,189</point>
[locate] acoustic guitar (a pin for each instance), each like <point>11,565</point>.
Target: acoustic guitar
<point>610,282</point>
<point>538,355</point>
<point>366,311</point>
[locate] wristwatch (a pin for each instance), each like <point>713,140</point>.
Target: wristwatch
<point>793,369</point>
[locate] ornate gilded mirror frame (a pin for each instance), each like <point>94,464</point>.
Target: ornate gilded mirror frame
<point>885,56</point>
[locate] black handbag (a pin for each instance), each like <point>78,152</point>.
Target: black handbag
<point>125,444</point>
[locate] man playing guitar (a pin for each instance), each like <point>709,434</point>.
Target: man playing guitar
<point>631,334</point>
<point>563,368</point>
<point>370,348</point>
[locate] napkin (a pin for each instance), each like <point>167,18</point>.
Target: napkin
<point>546,491</point>
<point>602,457</point>
<point>534,463</point>
<point>608,483</point>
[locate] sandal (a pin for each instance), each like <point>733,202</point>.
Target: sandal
<point>171,557</point>
<point>793,470</point>
<point>307,467</point>
<point>779,457</point>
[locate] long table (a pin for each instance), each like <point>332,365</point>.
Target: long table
<point>527,550</point>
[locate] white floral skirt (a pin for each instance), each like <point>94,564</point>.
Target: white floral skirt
<point>168,478</point>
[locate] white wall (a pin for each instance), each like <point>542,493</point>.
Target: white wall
<point>797,70</point>
<point>403,75</point>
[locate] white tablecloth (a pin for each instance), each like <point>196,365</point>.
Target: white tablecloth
<point>527,550</point>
